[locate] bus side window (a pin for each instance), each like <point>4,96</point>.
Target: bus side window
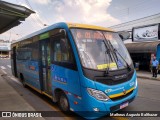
<point>24,53</point>
<point>57,52</point>
<point>61,52</point>
<point>35,49</point>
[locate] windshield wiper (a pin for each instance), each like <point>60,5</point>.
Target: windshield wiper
<point>108,61</point>
<point>116,51</point>
<point>109,58</point>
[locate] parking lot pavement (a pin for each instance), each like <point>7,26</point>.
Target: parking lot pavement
<point>147,75</point>
<point>10,100</point>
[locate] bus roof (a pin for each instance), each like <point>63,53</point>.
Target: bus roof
<point>62,25</point>
<point>77,25</point>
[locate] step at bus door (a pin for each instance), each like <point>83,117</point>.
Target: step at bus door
<point>45,66</point>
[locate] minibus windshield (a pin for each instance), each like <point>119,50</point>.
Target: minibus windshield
<point>97,49</point>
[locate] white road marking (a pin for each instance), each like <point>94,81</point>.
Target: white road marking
<point>3,71</point>
<point>2,67</point>
<point>9,66</point>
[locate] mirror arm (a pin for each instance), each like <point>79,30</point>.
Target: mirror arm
<point>121,36</point>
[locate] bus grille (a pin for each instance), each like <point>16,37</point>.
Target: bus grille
<point>109,80</point>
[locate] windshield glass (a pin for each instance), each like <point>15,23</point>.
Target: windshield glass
<point>100,49</point>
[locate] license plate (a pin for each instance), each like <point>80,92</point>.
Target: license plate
<point>124,105</point>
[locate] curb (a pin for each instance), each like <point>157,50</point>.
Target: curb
<point>151,78</point>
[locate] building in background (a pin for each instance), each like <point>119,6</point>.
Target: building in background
<point>5,47</point>
<point>144,42</point>
<point>128,26</point>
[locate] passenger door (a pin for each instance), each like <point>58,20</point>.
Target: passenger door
<point>45,66</point>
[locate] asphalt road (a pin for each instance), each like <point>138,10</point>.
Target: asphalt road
<point>148,98</point>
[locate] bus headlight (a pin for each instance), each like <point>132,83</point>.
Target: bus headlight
<point>135,86</point>
<point>99,95</point>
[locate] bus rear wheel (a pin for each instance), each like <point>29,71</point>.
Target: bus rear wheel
<point>22,80</point>
<point>63,103</point>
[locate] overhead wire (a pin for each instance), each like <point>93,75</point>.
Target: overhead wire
<point>18,32</point>
<point>121,13</point>
<point>43,15</point>
<point>37,17</point>
<point>128,10</point>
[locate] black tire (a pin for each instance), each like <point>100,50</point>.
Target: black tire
<point>64,103</point>
<point>23,80</point>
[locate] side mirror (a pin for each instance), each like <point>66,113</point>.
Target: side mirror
<point>63,33</point>
<point>63,40</point>
<point>124,35</point>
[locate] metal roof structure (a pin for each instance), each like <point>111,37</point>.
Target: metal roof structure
<point>127,26</point>
<point>11,15</point>
<point>142,47</point>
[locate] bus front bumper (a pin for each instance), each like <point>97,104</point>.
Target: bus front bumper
<point>95,108</point>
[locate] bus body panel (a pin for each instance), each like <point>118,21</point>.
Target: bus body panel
<point>158,53</point>
<point>103,107</point>
<point>114,90</point>
<point>88,103</point>
<point>30,71</point>
<point>66,79</point>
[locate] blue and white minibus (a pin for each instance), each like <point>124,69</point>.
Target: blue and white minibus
<point>84,68</point>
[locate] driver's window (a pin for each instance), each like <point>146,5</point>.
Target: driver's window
<point>61,52</point>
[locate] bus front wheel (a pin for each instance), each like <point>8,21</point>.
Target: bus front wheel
<point>63,102</point>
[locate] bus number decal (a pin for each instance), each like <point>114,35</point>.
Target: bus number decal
<point>87,35</point>
<point>79,36</point>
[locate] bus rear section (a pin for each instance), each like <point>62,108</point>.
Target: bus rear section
<point>86,69</point>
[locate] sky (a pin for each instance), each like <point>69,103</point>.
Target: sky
<point>104,13</point>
